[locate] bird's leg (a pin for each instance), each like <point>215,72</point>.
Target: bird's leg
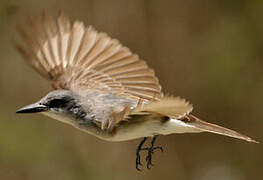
<point>151,150</point>
<point>138,156</point>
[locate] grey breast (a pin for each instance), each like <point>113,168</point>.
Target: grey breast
<point>99,106</point>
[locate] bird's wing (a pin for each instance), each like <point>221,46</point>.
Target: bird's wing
<point>167,106</point>
<point>81,59</point>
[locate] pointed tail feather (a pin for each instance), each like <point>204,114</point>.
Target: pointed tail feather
<point>208,127</point>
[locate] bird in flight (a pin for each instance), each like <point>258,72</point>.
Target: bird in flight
<point>102,88</point>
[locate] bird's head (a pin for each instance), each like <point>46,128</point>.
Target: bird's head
<point>57,101</point>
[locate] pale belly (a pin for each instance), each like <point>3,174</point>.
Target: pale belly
<point>151,128</point>
<point>131,130</point>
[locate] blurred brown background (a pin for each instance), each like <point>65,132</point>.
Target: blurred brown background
<point>209,52</point>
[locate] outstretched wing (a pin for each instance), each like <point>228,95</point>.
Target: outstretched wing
<point>79,58</point>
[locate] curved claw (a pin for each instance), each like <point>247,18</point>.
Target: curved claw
<point>150,151</point>
<point>149,156</point>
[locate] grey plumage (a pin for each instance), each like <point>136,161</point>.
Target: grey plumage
<point>101,87</point>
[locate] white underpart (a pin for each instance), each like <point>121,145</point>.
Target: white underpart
<point>147,129</point>
<point>59,117</point>
<point>151,128</point>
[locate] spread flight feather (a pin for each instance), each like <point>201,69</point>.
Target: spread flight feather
<point>79,59</point>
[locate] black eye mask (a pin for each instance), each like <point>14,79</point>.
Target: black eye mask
<point>58,103</point>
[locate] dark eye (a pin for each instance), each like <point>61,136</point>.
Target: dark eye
<point>56,103</point>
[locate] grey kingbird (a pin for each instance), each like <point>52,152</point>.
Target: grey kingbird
<point>102,88</point>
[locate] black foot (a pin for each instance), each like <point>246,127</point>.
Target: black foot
<point>150,151</point>
<point>138,156</point>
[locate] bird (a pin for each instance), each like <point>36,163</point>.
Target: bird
<point>102,88</point>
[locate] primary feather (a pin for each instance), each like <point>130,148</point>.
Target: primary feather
<point>95,66</point>
<point>78,58</point>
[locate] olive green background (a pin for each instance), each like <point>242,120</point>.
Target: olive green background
<point>210,52</point>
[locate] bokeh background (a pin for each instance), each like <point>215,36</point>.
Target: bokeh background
<point>209,52</point>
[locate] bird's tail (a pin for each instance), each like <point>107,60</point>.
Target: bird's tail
<point>213,128</point>
<point>178,111</point>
